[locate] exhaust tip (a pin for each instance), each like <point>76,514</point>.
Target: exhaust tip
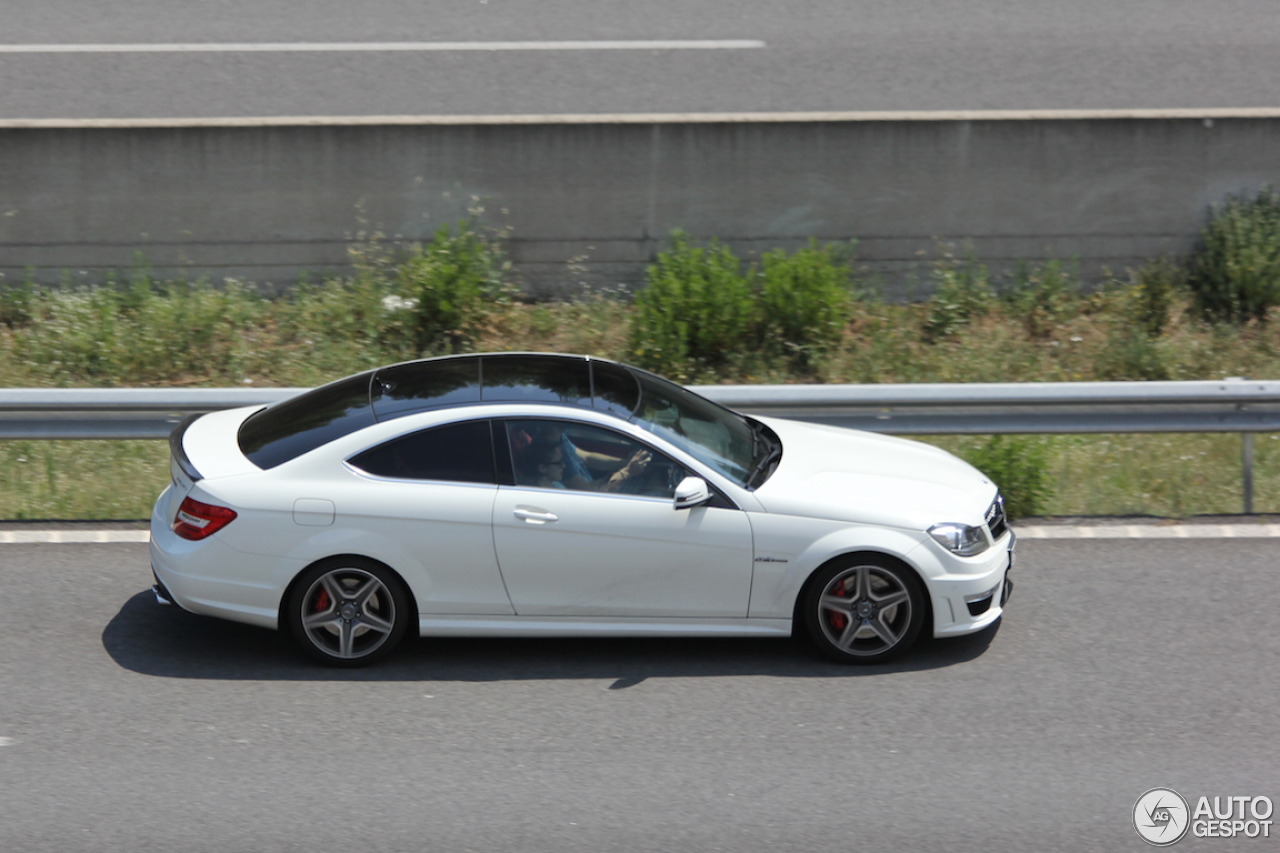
<point>161,594</point>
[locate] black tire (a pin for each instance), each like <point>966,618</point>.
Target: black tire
<point>348,611</point>
<point>884,615</point>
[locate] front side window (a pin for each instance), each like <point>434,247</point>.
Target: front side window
<point>553,454</point>
<point>459,453</point>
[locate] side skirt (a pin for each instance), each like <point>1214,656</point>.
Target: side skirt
<point>591,626</point>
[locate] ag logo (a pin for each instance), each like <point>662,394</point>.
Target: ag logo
<point>1161,816</point>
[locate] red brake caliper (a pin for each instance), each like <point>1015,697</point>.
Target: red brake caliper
<point>322,601</point>
<point>837,619</point>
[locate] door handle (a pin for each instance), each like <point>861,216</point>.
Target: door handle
<point>536,516</point>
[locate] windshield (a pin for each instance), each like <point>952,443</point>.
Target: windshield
<point>728,442</point>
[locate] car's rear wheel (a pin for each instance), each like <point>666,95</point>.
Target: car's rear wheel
<point>864,609</point>
<point>348,611</point>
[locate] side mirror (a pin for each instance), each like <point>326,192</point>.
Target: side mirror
<point>692,491</point>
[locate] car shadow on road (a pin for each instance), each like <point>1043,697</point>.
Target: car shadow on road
<point>151,639</point>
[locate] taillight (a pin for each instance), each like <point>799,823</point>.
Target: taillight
<point>197,520</point>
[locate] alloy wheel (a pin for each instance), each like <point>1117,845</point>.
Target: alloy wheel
<point>348,613</point>
<point>865,611</point>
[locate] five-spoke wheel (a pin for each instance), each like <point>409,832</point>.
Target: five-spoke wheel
<point>348,611</point>
<point>864,609</point>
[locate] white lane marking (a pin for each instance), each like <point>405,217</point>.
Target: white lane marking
<point>71,537</point>
<point>640,118</point>
<point>389,46</point>
<point>1151,531</point>
<point>6,741</point>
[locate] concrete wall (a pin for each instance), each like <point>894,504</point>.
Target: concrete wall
<point>592,201</point>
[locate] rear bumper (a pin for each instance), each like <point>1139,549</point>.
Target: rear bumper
<point>210,578</point>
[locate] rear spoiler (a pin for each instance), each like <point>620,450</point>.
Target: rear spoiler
<point>176,449</point>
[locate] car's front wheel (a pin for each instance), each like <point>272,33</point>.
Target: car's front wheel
<point>348,611</point>
<point>864,609</point>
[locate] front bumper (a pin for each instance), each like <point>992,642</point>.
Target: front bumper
<point>1007,592</point>
<point>969,594</point>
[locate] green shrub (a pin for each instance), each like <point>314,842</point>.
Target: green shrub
<point>1043,296</point>
<point>77,335</point>
<point>1235,270</point>
<point>962,293</point>
<point>1130,355</point>
<point>192,330</point>
<point>149,332</point>
<point>445,291</point>
<point>17,304</point>
<point>340,312</point>
<point>1018,466</point>
<point>805,301</point>
<point>1152,295</point>
<point>696,310</point>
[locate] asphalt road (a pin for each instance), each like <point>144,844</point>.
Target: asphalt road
<point>1120,666</point>
<point>819,55</point>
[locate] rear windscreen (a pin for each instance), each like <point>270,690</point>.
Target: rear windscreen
<point>406,388</point>
<point>536,379</point>
<point>292,427</point>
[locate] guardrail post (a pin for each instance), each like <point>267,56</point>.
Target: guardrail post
<point>1246,460</point>
<point>1246,457</point>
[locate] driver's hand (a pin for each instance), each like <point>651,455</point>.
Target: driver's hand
<point>633,468</point>
<point>638,462</point>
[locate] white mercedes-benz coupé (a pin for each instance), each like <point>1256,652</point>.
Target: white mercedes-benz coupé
<point>552,495</point>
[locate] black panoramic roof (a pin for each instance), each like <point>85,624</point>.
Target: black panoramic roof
<point>292,427</point>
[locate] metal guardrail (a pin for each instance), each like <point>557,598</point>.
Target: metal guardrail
<point>1233,405</point>
<point>117,413</point>
<point>1230,405</point>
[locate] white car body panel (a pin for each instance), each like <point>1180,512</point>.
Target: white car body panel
<point>210,443</point>
<point>567,553</point>
<point>438,536</point>
<point>608,564</point>
<point>790,548</point>
<point>845,474</point>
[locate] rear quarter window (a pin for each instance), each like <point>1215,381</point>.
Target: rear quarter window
<point>459,453</point>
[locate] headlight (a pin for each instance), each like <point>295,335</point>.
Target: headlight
<point>960,539</point>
